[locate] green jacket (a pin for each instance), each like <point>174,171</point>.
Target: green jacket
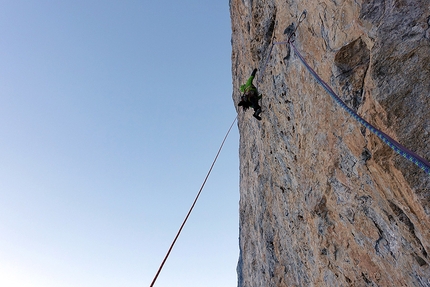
<point>248,86</point>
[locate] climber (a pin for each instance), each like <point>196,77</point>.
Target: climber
<point>250,96</point>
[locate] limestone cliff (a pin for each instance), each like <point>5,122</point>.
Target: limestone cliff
<point>323,202</point>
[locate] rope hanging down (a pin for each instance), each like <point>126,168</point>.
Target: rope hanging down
<point>192,206</point>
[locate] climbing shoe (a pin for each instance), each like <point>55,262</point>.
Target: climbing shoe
<point>257,114</point>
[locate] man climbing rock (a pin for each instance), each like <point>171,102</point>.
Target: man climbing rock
<point>250,96</point>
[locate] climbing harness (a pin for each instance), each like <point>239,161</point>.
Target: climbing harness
<point>397,147</point>
<point>194,203</point>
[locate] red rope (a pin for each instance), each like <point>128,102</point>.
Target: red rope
<point>192,206</point>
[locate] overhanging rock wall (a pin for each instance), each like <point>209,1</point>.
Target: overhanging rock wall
<point>323,201</point>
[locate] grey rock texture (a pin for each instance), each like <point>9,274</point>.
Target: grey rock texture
<point>323,201</point>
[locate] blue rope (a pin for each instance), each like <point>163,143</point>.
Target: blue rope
<point>397,147</point>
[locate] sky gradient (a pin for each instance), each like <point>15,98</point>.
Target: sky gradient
<point>111,114</point>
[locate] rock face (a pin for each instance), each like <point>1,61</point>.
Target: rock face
<point>323,201</point>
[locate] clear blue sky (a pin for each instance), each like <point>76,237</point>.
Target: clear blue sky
<point>111,113</point>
